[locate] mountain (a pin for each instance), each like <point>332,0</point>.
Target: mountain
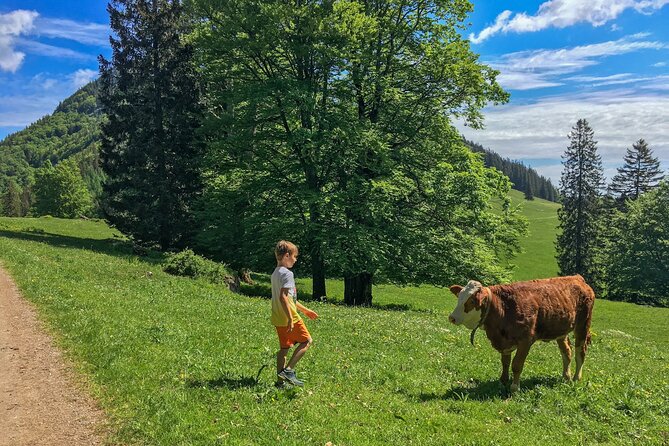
<point>72,130</point>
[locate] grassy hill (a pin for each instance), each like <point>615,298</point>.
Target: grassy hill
<point>180,361</point>
<point>538,257</point>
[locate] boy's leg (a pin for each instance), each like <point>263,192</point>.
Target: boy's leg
<point>298,353</point>
<point>281,359</point>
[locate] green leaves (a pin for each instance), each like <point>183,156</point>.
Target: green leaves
<point>60,191</point>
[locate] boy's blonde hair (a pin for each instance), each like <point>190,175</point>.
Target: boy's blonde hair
<point>284,247</point>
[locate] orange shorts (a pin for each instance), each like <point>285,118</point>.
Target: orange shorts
<point>298,335</point>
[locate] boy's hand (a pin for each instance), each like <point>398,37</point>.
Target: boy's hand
<point>311,314</point>
<point>290,324</point>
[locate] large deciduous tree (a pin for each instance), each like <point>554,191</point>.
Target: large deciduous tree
<point>580,190</point>
<point>330,124</point>
<point>60,191</point>
<point>150,152</point>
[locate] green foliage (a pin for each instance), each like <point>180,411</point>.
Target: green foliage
<point>60,191</point>
<point>187,263</point>
<point>523,178</point>
<point>71,131</point>
<point>579,242</point>
<point>638,254</point>
<point>149,150</point>
<point>176,361</point>
<point>330,125</point>
<point>640,173</point>
<point>11,201</point>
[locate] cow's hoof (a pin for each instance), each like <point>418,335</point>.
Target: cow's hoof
<point>567,378</point>
<point>514,387</point>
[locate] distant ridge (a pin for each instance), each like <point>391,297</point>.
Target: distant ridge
<point>524,179</point>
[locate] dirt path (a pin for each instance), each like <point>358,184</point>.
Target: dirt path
<point>39,402</point>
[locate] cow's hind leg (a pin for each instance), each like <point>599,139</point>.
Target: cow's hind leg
<point>565,350</point>
<point>518,363</point>
<point>582,339</point>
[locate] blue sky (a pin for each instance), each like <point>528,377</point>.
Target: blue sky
<point>603,60</point>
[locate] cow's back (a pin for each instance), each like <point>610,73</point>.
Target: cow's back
<point>545,309</point>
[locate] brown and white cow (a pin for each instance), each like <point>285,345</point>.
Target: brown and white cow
<point>517,315</point>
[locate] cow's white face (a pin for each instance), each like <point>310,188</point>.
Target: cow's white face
<point>465,313</point>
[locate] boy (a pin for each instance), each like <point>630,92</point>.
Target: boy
<point>288,323</point>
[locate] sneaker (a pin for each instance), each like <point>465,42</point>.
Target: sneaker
<point>289,375</point>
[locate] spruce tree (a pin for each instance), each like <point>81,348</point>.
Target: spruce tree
<point>11,200</point>
<point>640,173</point>
<point>149,149</point>
<point>578,242</point>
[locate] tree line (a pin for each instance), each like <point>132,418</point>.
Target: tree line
<point>523,178</point>
<point>615,236</point>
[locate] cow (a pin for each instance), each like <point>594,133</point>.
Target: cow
<point>517,315</point>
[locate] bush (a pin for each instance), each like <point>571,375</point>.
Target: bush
<point>187,263</point>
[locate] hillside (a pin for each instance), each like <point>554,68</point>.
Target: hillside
<point>72,130</point>
<point>179,361</point>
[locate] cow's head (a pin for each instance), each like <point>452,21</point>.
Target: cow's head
<point>468,310</point>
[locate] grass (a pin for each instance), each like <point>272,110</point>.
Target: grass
<point>176,361</point>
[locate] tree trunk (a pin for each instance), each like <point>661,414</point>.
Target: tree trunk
<point>358,289</point>
<point>318,276</point>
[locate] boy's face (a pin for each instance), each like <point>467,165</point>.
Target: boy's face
<point>289,259</point>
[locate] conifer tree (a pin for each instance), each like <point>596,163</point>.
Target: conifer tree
<point>578,243</point>
<point>640,173</point>
<point>149,150</point>
<point>11,201</point>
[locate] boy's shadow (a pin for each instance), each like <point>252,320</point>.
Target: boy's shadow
<point>223,382</point>
<point>488,390</point>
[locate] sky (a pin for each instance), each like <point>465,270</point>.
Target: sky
<point>606,61</point>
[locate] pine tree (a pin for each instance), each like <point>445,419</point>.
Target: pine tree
<point>578,243</point>
<point>149,149</point>
<point>529,189</point>
<point>640,173</point>
<point>11,200</point>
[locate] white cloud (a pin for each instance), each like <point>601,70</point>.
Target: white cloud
<point>42,49</point>
<point>87,33</point>
<point>82,77</point>
<point>564,13</point>
<point>13,24</point>
<point>525,70</point>
<point>660,64</point>
<point>537,132</point>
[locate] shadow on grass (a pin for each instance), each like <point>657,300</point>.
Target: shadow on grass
<point>488,390</point>
<point>243,382</point>
<point>108,246</point>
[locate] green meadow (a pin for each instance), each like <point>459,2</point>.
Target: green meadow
<point>176,361</point>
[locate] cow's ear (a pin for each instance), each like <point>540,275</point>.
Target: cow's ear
<point>455,289</point>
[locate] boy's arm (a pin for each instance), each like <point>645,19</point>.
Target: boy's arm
<point>307,312</point>
<point>284,304</point>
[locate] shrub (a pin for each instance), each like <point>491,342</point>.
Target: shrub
<point>187,263</point>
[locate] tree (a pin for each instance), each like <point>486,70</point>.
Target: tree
<point>640,173</point>
<point>150,152</point>
<point>60,191</point>
<point>639,258</point>
<point>330,126</point>
<point>11,200</point>
<point>529,188</point>
<point>580,184</point>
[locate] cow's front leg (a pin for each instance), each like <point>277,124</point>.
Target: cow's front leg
<point>518,363</point>
<point>506,361</point>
